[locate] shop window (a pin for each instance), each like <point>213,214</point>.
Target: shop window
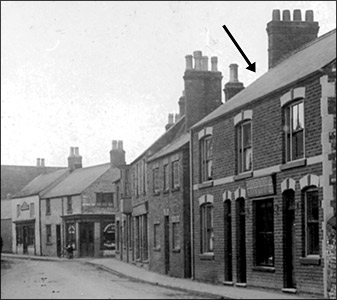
<point>294,131</point>
<point>311,221</point>
<point>206,161</point>
<point>244,146</point>
<point>70,235</point>
<point>107,236</point>
<point>207,230</point>
<point>264,235</point>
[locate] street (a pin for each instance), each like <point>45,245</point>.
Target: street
<point>33,279</point>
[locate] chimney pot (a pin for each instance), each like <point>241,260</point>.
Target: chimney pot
<point>38,162</point>
<point>170,119</point>
<point>120,145</point>
<point>189,62</point>
<point>114,144</point>
<point>42,162</point>
<point>297,15</point>
<point>204,63</point>
<point>233,73</point>
<point>71,151</point>
<point>214,62</point>
<point>309,16</point>
<point>286,15</point>
<point>176,118</point>
<point>197,60</point>
<point>276,15</point>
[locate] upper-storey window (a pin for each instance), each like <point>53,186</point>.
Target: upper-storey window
<point>166,178</point>
<point>244,146</point>
<point>175,174</point>
<point>294,131</point>
<point>104,199</point>
<point>206,160</point>
<point>47,206</point>
<point>156,180</point>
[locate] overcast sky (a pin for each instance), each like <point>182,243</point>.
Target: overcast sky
<point>81,74</point>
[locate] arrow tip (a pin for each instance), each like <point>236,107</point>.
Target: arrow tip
<point>252,67</point>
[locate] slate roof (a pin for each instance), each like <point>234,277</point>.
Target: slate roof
<point>41,183</point>
<point>172,147</point>
<point>14,178</point>
<point>78,180</point>
<point>303,62</point>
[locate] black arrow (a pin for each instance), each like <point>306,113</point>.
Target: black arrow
<point>251,66</point>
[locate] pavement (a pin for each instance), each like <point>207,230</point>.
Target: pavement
<point>134,272</point>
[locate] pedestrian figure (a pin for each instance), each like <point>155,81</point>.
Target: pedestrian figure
<point>70,251</point>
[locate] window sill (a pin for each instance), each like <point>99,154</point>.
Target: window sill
<point>177,188</point>
<point>176,250</point>
<point>157,193</point>
<point>206,256</point>
<point>264,269</point>
<point>156,249</point>
<point>310,260</point>
<point>294,164</point>
<point>243,175</point>
<point>230,283</point>
<point>166,191</point>
<point>69,211</point>
<point>205,184</point>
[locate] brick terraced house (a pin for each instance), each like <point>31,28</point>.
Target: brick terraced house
<point>261,169</point>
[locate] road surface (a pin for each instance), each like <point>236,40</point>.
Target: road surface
<point>34,279</point>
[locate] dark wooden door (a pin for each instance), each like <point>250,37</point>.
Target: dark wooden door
<point>167,243</point>
<point>241,238</point>
<point>58,240</point>
<point>290,240</point>
<point>228,241</point>
<point>87,239</point>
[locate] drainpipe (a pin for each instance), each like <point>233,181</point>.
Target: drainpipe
<point>40,225</point>
<point>191,206</point>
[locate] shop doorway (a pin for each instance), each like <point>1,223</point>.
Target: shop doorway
<point>87,239</point>
<point>241,240</point>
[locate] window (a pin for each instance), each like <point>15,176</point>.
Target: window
<point>206,163</point>
<point>312,221</point>
<point>104,199</point>
<point>118,236</point>
<point>107,236</point>
<point>156,180</point>
<point>47,206</point>
<point>156,236</point>
<point>48,233</point>
<point>166,178</point>
<point>264,236</point>
<point>19,235</point>
<point>69,204</point>
<point>175,236</point>
<point>244,142</point>
<point>18,210</point>
<point>294,131</point>
<point>30,235</point>
<point>207,233</point>
<point>32,210</point>
<point>175,174</point>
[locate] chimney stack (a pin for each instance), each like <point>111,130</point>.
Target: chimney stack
<point>181,103</point>
<point>117,154</point>
<point>285,36</point>
<point>170,122</point>
<point>74,159</point>
<point>233,86</point>
<point>202,89</point>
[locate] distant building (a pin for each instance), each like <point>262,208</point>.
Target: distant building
<point>81,210</point>
<point>13,179</point>
<point>262,174</point>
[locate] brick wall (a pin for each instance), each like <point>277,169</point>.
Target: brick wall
<point>267,140</point>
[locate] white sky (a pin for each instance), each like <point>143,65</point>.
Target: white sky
<point>81,74</point>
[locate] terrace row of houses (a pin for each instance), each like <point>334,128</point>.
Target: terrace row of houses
<point>240,192</point>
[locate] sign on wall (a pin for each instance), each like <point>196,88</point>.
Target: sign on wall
<point>260,186</point>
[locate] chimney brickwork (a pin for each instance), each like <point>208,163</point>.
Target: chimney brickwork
<point>233,86</point>
<point>74,159</point>
<point>117,154</point>
<point>202,92</point>
<point>286,35</point>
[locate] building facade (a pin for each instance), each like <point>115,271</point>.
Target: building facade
<point>260,169</point>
